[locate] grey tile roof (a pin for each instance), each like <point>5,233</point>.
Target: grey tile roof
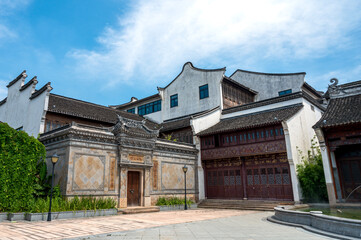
<point>175,124</point>
<point>78,108</point>
<point>258,119</point>
<point>341,111</point>
<point>272,101</point>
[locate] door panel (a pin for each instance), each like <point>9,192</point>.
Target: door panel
<point>133,190</point>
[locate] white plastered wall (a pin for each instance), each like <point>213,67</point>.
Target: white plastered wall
<point>199,124</point>
<point>21,111</point>
<point>298,135</point>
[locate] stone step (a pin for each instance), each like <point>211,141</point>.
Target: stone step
<point>135,210</point>
<point>242,204</point>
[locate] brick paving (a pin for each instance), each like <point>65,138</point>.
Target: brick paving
<point>62,229</point>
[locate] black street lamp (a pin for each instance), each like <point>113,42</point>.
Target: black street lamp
<point>185,186</point>
<point>54,160</point>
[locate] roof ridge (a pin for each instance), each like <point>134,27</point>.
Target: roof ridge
<point>272,74</point>
<point>78,100</point>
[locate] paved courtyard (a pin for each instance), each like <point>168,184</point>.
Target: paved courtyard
<point>191,224</point>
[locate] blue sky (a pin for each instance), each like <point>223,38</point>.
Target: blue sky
<point>108,51</point>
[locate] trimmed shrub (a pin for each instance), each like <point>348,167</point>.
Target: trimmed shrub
<point>20,155</point>
<point>171,201</point>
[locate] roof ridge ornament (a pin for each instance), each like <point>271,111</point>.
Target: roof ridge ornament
<point>334,89</point>
<point>126,126</point>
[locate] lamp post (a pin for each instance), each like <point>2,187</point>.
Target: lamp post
<point>185,168</point>
<point>54,160</point>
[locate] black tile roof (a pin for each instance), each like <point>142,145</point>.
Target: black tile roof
<point>341,111</point>
<point>175,124</point>
<point>16,79</point>
<point>78,108</point>
<point>40,91</point>
<point>258,119</point>
<point>274,100</point>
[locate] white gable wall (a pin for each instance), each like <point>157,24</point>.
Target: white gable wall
<point>268,85</point>
<point>186,85</point>
<point>20,111</point>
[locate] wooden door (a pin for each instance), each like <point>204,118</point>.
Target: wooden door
<point>133,190</point>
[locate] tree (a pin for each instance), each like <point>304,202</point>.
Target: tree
<point>311,176</point>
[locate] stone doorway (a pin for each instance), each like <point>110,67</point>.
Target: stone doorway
<point>133,189</point>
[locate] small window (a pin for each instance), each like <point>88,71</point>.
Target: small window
<point>203,91</point>
<point>257,135</point>
<point>48,126</point>
<point>227,139</point>
<point>240,137</point>
<point>276,132</point>
<point>231,138</point>
<point>174,100</point>
<point>262,134</point>
<point>249,136</point>
<point>253,137</point>
<point>235,138</point>
<point>245,137</point>
<point>281,131</point>
<point>132,110</point>
<point>266,133</point>
<point>271,133</point>
<point>288,91</point>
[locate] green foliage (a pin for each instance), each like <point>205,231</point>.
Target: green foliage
<point>59,204</point>
<point>171,201</point>
<point>21,156</point>
<point>311,176</point>
<point>169,137</point>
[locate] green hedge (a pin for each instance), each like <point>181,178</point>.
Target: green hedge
<point>171,201</point>
<point>20,156</point>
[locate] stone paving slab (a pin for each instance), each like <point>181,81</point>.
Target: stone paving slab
<point>70,228</point>
<point>251,226</point>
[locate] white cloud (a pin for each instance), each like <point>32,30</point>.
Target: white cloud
<point>3,90</point>
<point>157,37</point>
<point>8,7</point>
<point>343,75</point>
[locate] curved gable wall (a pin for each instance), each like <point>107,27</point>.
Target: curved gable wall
<point>268,85</point>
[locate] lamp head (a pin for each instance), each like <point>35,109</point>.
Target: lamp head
<point>54,158</point>
<point>185,168</point>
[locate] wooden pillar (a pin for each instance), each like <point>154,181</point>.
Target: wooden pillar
<point>244,178</point>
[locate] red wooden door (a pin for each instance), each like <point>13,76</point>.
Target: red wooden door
<point>133,191</point>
